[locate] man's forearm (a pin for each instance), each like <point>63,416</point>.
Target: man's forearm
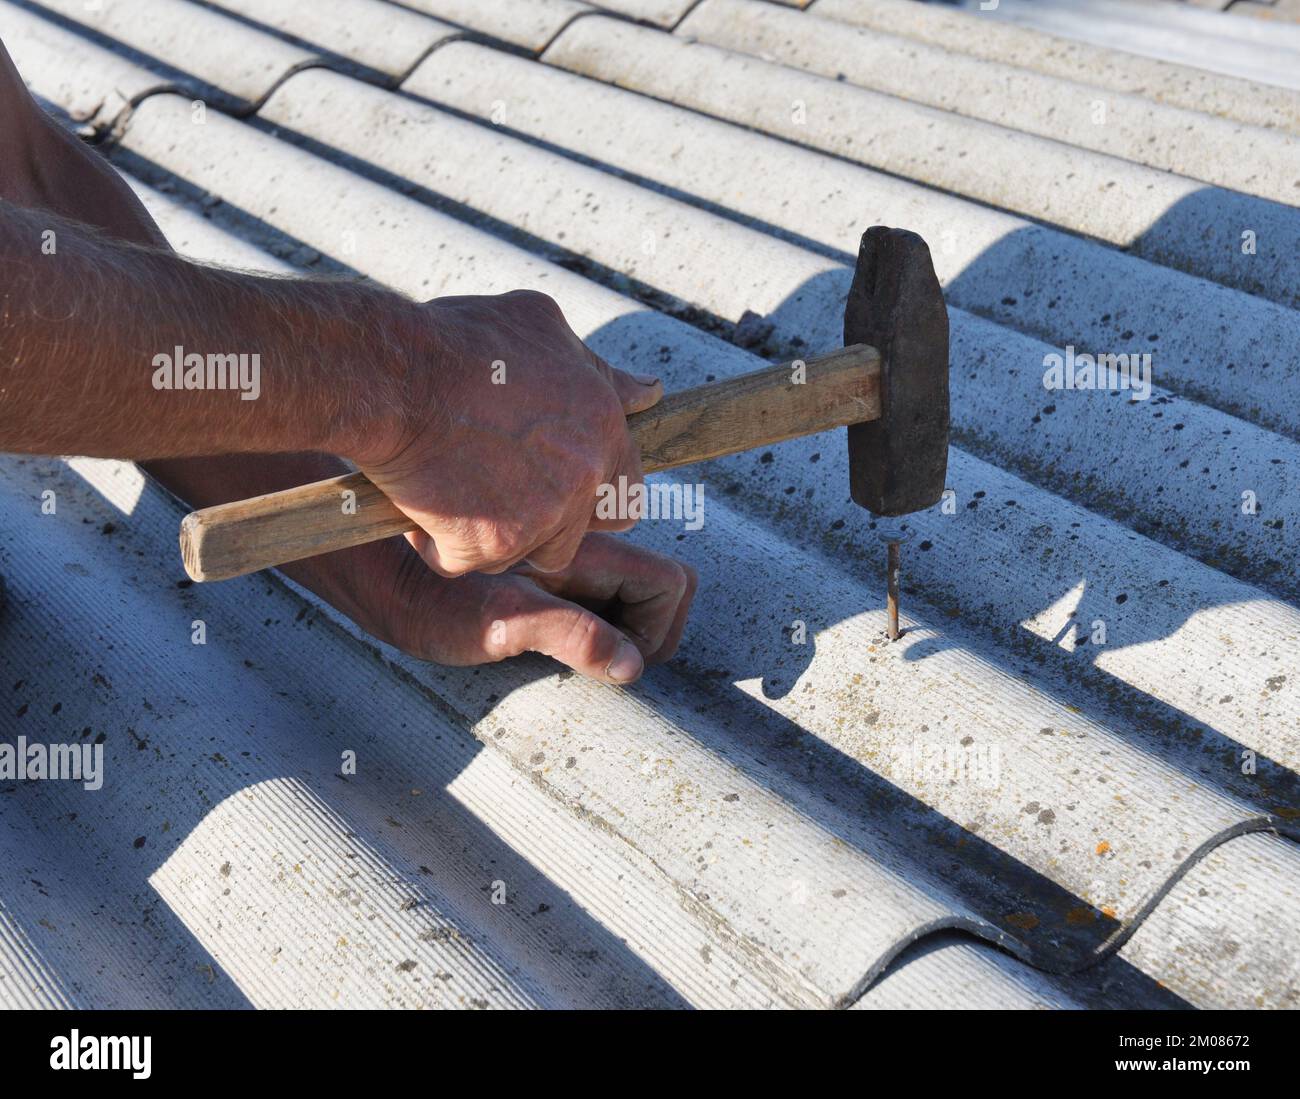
<point>116,350</point>
<point>44,167</point>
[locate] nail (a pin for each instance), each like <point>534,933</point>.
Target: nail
<point>626,665</point>
<point>646,379</point>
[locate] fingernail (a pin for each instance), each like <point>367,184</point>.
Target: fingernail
<point>646,379</point>
<point>626,665</point>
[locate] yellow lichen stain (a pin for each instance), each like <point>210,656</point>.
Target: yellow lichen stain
<point>1026,921</point>
<point>343,941</point>
<point>297,868</point>
<point>1108,912</point>
<point>1103,847</point>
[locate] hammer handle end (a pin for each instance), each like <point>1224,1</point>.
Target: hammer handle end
<point>229,540</point>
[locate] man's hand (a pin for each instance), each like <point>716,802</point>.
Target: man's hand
<point>614,609</point>
<point>509,424</point>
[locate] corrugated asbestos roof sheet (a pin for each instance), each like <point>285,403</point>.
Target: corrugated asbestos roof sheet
<point>1178,32</point>
<point>992,811</point>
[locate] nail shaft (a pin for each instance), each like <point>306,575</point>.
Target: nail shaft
<point>892,598</point>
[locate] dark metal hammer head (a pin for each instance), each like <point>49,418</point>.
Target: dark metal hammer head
<point>898,463</point>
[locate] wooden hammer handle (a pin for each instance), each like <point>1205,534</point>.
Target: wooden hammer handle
<point>709,421</point>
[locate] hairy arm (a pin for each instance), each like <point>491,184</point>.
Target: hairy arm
<point>94,333</point>
<point>47,171</point>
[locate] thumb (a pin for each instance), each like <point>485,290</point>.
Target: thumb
<point>637,391</point>
<point>536,621</point>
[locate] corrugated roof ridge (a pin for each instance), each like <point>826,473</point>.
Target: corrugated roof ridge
<point>660,14</point>
<point>233,65</point>
<point>40,50</point>
<point>954,970</point>
<point>1111,948</point>
<point>496,20</point>
<point>1190,143</point>
<point>1222,936</point>
<point>160,76</point>
<point>1214,41</point>
<point>332,56</point>
<point>985,931</point>
<point>1167,290</point>
<point>1107,67</point>
<point>1151,212</point>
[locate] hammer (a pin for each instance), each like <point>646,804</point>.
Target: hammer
<point>888,386</point>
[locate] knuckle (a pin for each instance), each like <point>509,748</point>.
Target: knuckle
<point>556,555</point>
<point>502,544</point>
<point>593,473</point>
<point>544,557</point>
<point>546,564</point>
<point>550,520</point>
<point>539,301</point>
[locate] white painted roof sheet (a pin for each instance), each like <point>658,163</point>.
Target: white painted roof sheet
<point>1002,809</point>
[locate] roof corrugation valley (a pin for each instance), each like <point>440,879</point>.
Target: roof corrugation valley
<point>1071,783</point>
